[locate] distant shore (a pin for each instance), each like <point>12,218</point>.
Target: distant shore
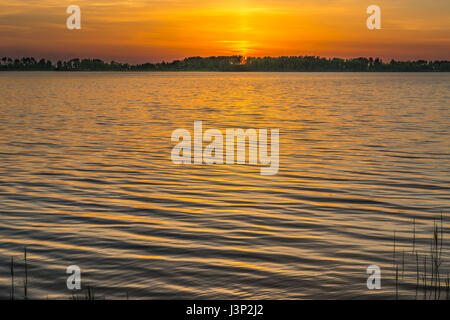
<point>231,64</point>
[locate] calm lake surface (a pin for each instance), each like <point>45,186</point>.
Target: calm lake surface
<point>86,179</point>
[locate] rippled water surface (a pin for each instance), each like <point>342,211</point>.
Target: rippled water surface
<point>86,179</point>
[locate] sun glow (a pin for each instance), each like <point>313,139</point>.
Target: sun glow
<point>150,30</point>
<point>237,47</point>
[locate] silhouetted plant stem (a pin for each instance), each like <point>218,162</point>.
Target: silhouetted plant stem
<point>12,278</point>
<point>25,283</point>
<point>396,282</point>
<point>393,254</point>
<point>418,274</point>
<point>403,263</point>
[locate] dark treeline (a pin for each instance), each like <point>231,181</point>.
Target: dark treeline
<point>231,63</point>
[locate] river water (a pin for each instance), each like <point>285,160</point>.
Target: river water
<point>86,179</point>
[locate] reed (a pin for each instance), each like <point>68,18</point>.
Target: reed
<point>429,279</point>
<point>393,253</point>
<point>12,279</point>
<point>447,287</point>
<point>90,294</point>
<point>425,277</point>
<point>25,282</point>
<point>417,273</point>
<point>396,282</point>
<point>403,263</point>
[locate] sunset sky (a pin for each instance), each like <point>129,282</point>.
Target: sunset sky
<point>155,30</point>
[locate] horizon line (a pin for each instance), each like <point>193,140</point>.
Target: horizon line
<point>246,57</point>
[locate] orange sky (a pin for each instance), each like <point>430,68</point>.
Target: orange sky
<point>155,30</point>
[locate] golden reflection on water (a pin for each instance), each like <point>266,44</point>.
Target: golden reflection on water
<point>87,179</point>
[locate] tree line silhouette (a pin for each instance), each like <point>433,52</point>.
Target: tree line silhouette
<point>231,63</point>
